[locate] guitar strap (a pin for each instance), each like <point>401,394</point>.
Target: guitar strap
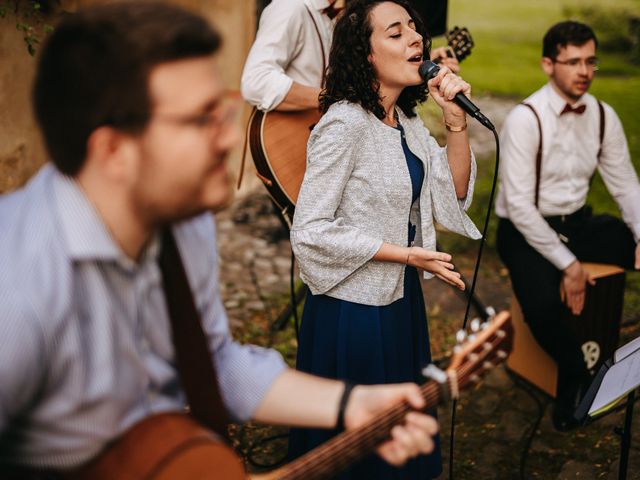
<point>193,357</point>
<point>539,152</point>
<point>322,82</point>
<point>324,55</point>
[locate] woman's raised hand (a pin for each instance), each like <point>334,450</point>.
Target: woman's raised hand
<point>437,263</point>
<point>443,88</point>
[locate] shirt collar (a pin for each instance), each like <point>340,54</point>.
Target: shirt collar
<point>84,233</point>
<point>557,102</point>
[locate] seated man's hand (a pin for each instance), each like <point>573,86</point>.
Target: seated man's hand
<point>574,281</point>
<point>440,54</point>
<point>408,439</point>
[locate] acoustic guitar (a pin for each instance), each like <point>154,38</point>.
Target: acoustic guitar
<point>278,140</point>
<point>174,447</point>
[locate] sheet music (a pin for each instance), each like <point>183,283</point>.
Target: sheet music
<point>619,380</point>
<point>626,350</point>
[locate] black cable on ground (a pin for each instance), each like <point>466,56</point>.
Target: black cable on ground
<point>542,404</point>
<point>473,287</point>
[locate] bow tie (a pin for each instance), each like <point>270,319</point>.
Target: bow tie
<point>569,109</point>
<point>332,11</point>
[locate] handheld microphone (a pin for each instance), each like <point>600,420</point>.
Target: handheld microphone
<point>428,70</point>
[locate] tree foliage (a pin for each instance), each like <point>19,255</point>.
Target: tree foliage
<point>31,19</point>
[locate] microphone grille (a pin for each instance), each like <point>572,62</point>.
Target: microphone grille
<point>428,70</point>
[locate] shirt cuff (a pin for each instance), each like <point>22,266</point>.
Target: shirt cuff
<point>277,92</point>
<point>561,257</point>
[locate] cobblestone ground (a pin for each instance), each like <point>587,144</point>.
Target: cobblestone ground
<point>494,421</point>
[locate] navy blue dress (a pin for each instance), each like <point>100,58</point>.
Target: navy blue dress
<point>369,345</point>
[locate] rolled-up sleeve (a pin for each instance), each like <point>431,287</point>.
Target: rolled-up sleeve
<point>448,210</point>
<point>245,372</point>
<point>264,82</point>
<point>328,250</point>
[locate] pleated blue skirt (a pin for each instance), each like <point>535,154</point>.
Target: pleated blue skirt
<point>367,345</point>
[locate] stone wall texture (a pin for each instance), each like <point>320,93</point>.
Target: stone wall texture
<point>21,149</point>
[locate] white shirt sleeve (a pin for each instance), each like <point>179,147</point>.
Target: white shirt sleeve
<point>617,171</point>
<point>517,174</point>
<point>264,82</point>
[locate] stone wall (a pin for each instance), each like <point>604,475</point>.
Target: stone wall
<point>21,149</point>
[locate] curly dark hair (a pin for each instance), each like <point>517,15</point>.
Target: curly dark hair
<point>350,75</point>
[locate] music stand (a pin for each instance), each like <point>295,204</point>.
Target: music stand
<point>616,385</point>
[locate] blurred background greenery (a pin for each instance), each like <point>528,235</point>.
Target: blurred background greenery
<point>508,43</point>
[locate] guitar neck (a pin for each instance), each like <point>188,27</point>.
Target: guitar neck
<point>485,348</point>
<point>350,446</point>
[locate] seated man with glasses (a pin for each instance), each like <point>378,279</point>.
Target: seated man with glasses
<point>552,145</point>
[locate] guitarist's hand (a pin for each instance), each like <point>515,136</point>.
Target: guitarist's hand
<point>413,437</point>
<point>439,55</point>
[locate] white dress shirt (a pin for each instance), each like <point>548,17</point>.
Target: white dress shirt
<point>286,49</point>
<point>569,159</point>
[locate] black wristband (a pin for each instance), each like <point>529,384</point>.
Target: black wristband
<point>346,393</point>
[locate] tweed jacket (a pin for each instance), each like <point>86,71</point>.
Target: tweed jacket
<point>356,194</point>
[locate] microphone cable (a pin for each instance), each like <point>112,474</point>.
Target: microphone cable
<point>454,403</point>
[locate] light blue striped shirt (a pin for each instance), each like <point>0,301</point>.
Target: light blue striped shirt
<point>86,349</point>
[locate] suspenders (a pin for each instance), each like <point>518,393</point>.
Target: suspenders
<point>539,152</point>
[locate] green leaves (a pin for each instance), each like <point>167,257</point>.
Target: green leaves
<point>30,19</point>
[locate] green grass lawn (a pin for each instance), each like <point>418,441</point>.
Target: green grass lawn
<point>506,62</point>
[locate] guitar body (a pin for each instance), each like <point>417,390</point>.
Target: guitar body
<point>278,142</point>
<point>168,446</point>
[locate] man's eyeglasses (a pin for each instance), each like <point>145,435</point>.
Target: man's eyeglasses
<point>214,121</point>
<point>591,63</point>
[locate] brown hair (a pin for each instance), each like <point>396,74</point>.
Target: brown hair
<point>94,69</point>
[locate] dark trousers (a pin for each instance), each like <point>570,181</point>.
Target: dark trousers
<point>536,281</point>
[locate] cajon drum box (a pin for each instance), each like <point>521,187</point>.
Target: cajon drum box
<point>597,329</point>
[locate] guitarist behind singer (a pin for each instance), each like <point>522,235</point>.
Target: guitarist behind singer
<point>133,112</point>
<point>285,67</point>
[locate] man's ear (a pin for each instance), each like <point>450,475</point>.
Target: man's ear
<point>547,66</point>
<point>111,151</point>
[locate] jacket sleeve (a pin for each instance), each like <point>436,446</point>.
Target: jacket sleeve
<point>448,210</point>
<point>327,249</point>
